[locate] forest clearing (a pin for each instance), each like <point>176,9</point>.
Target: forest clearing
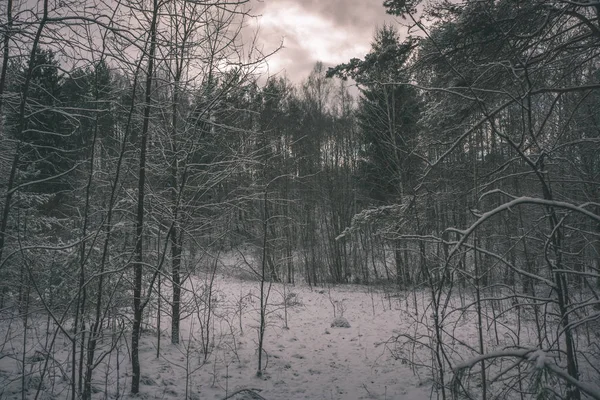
<point>309,359</point>
<point>383,349</point>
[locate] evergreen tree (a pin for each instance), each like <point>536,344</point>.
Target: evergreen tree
<point>388,112</point>
<point>51,138</point>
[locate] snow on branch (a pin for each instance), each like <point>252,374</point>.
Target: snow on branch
<point>517,202</point>
<point>537,357</point>
<point>371,215</point>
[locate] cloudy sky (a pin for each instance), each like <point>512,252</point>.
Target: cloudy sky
<point>331,31</point>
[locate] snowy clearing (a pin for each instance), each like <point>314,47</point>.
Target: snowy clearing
<point>310,360</point>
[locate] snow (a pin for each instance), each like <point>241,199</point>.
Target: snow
<point>312,360</point>
<point>338,342</point>
<point>309,360</point>
<point>539,357</point>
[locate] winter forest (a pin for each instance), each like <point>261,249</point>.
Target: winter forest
<point>422,221</point>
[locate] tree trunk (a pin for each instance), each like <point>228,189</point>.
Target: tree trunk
<point>176,266</point>
<point>139,229</point>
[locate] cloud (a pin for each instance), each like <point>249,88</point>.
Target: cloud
<point>314,30</point>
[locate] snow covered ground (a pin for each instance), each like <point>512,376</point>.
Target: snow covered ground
<point>386,353</point>
<point>309,360</point>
